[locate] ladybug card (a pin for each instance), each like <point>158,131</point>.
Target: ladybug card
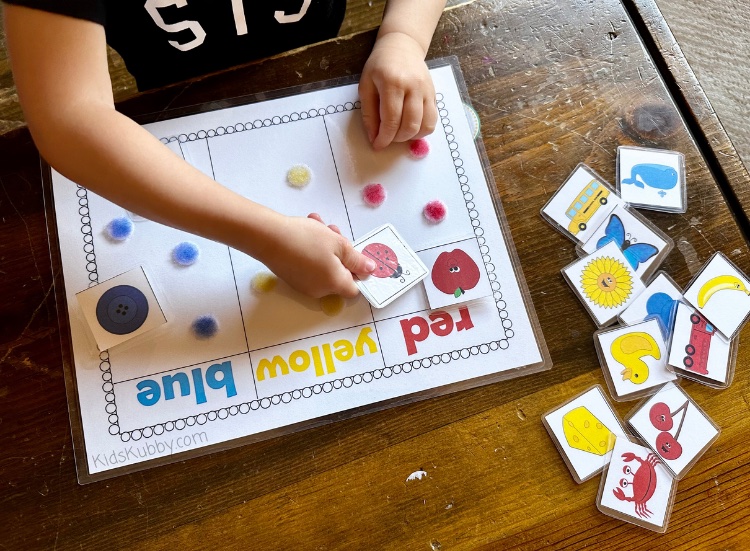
<point>643,244</point>
<point>699,351</point>
<point>584,430</point>
<point>659,301</point>
<point>721,293</point>
<point>652,179</point>
<point>121,308</point>
<point>637,487</point>
<point>674,427</point>
<point>458,273</point>
<point>633,359</point>
<point>398,266</point>
<point>581,204</point>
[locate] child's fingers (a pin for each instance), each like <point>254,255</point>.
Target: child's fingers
<point>411,118</point>
<point>355,262</point>
<point>429,118</point>
<point>370,101</point>
<point>315,216</point>
<point>335,228</point>
<point>391,107</point>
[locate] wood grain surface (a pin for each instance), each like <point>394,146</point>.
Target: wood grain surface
<point>555,83</point>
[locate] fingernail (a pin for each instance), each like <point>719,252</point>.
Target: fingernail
<point>370,265</point>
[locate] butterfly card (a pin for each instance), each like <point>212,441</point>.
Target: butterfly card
<point>721,292</point>
<point>699,352</point>
<point>674,427</point>
<point>581,204</point>
<point>633,359</point>
<point>643,244</point>
<point>637,487</point>
<point>605,282</point>
<point>659,301</point>
<point>584,430</point>
<point>652,178</point>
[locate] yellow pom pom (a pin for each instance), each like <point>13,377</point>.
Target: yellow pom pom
<point>331,305</point>
<point>263,282</point>
<point>299,175</point>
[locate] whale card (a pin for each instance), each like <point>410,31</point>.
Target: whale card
<point>652,179</point>
<point>699,352</point>
<point>584,430</point>
<point>674,427</point>
<point>633,359</point>
<point>637,487</point>
<point>659,301</point>
<point>644,245</point>
<point>721,293</point>
<point>581,204</point>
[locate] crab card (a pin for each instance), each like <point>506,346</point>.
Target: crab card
<point>581,204</point>
<point>633,359</point>
<point>652,178</point>
<point>659,301</point>
<point>643,244</point>
<point>457,273</point>
<point>699,351</point>
<point>721,292</point>
<point>398,268</point>
<point>584,430</point>
<point>674,427</point>
<point>605,282</point>
<point>637,487</point>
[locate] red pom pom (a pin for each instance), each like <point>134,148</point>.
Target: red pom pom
<point>419,149</point>
<point>373,195</point>
<point>435,211</point>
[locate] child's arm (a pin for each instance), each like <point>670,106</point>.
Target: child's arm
<point>60,70</point>
<point>398,97</point>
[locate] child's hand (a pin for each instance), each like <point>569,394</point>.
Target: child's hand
<point>397,93</point>
<point>316,259</point>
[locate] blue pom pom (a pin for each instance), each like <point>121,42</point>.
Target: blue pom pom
<point>120,229</point>
<point>186,253</point>
<point>205,327</point>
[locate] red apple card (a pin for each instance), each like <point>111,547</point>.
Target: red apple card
<point>455,273</point>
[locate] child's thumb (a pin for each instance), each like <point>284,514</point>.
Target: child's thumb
<point>356,262</point>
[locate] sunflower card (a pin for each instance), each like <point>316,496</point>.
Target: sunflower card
<point>644,245</point>
<point>605,282</point>
<point>633,359</point>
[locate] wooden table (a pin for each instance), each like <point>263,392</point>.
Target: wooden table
<point>555,83</point>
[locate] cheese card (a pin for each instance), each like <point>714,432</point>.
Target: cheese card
<point>398,266</point>
<point>674,427</point>
<point>584,430</point>
<point>652,178</point>
<point>721,292</point>
<point>659,301</point>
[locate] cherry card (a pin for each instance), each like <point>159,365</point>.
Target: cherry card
<point>398,266</point>
<point>674,427</point>
<point>699,351</point>
<point>652,178</point>
<point>644,245</point>
<point>584,430</point>
<point>581,204</point>
<point>605,282</point>
<point>721,292</point>
<point>458,273</point>
<point>633,359</point>
<point>637,487</point>
<point>659,301</point>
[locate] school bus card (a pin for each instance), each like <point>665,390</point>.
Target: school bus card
<point>659,301</point>
<point>652,178</point>
<point>243,356</point>
<point>584,430</point>
<point>674,427</point>
<point>581,204</point>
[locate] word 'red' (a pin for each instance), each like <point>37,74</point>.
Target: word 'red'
<point>151,392</point>
<point>417,329</point>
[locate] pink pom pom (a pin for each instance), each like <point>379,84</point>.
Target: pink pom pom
<point>419,149</point>
<point>435,211</point>
<point>373,195</point>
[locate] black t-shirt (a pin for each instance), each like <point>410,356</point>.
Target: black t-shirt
<point>164,41</point>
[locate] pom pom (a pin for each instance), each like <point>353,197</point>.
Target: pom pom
<point>299,176</point>
<point>205,327</point>
<point>435,211</point>
<point>331,305</point>
<point>419,149</point>
<point>120,229</point>
<point>374,195</point>
<point>186,253</point>
<point>263,282</point>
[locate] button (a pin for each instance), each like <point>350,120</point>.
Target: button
<point>122,309</point>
